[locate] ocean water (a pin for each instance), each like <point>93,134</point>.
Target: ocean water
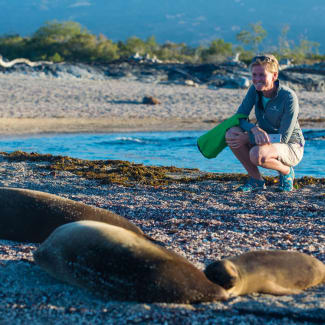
<point>158,148</point>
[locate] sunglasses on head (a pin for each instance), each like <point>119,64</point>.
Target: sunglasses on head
<point>262,58</point>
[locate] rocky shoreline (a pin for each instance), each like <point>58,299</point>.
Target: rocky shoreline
<point>203,220</point>
<point>231,74</point>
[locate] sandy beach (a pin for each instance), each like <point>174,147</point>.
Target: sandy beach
<point>203,220</point>
<point>44,105</point>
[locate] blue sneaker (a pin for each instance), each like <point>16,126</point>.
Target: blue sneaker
<point>252,185</point>
<point>286,181</point>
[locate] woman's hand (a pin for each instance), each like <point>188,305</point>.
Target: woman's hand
<point>260,136</point>
<point>236,139</point>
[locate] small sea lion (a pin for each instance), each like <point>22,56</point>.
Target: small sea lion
<point>31,216</point>
<point>275,272</point>
<point>120,265</point>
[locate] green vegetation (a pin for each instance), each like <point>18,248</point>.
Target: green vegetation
<point>252,37</point>
<point>69,41</point>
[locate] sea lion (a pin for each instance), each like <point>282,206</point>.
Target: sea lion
<point>31,216</point>
<point>120,265</point>
<point>275,272</point>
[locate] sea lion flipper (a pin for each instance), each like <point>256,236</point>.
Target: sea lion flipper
<point>271,286</point>
<point>154,241</point>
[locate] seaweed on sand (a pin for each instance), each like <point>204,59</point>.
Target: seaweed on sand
<point>127,173</point>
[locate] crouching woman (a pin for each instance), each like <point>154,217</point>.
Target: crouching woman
<point>276,112</point>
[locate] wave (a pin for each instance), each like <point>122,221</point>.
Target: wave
<point>148,141</point>
<point>314,134</point>
<point>125,141</point>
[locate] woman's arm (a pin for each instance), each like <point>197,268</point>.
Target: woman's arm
<point>248,102</point>
<point>245,108</point>
<point>290,117</point>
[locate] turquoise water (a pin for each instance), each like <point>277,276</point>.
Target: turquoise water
<point>157,148</point>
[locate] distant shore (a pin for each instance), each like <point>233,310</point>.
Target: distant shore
<point>33,105</point>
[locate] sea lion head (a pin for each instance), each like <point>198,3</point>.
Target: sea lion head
<point>223,273</point>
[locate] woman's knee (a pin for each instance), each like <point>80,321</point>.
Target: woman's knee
<point>231,132</point>
<point>258,155</point>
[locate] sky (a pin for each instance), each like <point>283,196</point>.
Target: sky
<point>191,21</point>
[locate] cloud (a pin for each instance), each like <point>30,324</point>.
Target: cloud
<point>174,16</point>
<point>239,2</point>
<point>201,18</point>
<point>318,8</point>
<point>80,4</point>
<point>44,5</point>
<point>235,28</point>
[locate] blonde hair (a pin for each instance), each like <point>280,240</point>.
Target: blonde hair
<point>267,60</point>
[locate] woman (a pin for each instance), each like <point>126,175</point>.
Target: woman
<point>276,111</point>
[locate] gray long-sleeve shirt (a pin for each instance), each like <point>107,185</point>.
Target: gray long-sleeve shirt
<point>279,116</point>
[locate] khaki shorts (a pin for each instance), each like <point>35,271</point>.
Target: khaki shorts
<point>289,154</point>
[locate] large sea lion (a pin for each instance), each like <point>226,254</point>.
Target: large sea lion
<point>121,265</point>
<point>31,216</point>
<point>275,272</point>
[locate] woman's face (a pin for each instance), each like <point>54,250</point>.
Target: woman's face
<point>263,80</point>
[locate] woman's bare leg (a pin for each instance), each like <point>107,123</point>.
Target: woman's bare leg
<point>266,156</point>
<point>242,152</point>
<point>243,156</point>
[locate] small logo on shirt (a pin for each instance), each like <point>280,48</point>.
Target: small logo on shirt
<point>273,108</point>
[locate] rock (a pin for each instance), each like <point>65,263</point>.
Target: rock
<point>218,83</point>
<point>144,59</point>
<point>317,68</point>
<point>180,74</point>
<point>145,69</point>
<point>190,83</point>
<point>238,82</point>
<point>149,100</point>
<point>136,57</point>
<point>230,81</point>
<point>285,63</point>
<point>303,81</point>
